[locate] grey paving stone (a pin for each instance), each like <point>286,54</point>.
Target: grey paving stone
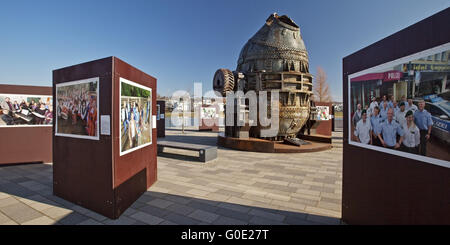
<point>180,209</point>
<point>8,201</point>
<point>122,220</point>
<point>331,200</point>
<point>200,205</point>
<point>155,211</point>
<point>4,219</point>
<point>298,221</point>
<point>323,219</point>
<point>178,199</point>
<point>160,203</point>
<point>72,219</point>
<point>20,212</point>
<point>181,219</point>
<point>233,214</point>
<point>229,193</point>
<point>267,214</point>
<point>166,222</point>
<point>203,216</point>
<point>256,220</point>
<point>146,218</point>
<point>235,207</point>
<point>90,222</point>
<point>43,220</point>
<point>222,220</point>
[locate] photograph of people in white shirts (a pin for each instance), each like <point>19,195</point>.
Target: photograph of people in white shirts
<point>363,129</point>
<point>411,136</point>
<point>389,130</point>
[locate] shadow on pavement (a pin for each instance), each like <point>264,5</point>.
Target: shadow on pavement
<point>35,194</point>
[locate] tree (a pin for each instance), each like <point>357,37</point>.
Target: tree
<point>320,87</point>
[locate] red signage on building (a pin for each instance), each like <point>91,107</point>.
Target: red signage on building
<point>392,76</point>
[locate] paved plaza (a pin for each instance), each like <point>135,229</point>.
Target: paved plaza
<point>237,188</point>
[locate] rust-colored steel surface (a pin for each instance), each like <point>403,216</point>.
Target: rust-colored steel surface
<point>25,144</point>
<point>380,188</point>
<point>209,124</point>
<point>91,173</point>
<point>324,128</point>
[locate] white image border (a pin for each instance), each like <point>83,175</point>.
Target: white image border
<point>26,125</point>
<point>406,59</point>
<point>121,79</point>
<point>88,80</point>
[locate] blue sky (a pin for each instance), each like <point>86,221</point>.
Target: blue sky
<point>181,42</point>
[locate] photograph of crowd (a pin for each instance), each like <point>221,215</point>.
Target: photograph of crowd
<point>404,107</point>
<point>323,113</point>
<point>77,109</point>
<point>135,116</point>
<point>16,109</point>
<point>208,113</point>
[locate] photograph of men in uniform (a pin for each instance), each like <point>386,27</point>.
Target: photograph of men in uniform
<point>422,118</point>
<point>389,130</point>
<point>363,129</point>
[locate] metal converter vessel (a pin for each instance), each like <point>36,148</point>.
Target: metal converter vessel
<point>275,58</point>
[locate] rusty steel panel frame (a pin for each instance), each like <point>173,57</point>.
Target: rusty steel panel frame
<point>381,188</point>
<point>35,141</point>
<point>90,173</point>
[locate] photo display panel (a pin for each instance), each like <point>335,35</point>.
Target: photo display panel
<point>135,116</point>
<point>402,107</point>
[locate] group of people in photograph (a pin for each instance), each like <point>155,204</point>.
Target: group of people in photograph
<point>402,126</point>
<point>80,108</point>
<point>31,113</point>
<point>135,119</point>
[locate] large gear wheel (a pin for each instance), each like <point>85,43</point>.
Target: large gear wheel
<point>223,81</point>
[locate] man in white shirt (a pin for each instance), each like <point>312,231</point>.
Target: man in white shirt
<point>357,115</point>
<point>373,104</point>
<point>363,129</point>
<point>410,106</point>
<point>400,114</point>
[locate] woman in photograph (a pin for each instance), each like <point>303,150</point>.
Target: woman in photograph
<point>16,106</point>
<point>23,104</point>
<point>49,115</point>
<point>123,117</point>
<point>132,129</point>
<point>40,114</point>
<point>83,112</point>
<point>411,137</point>
<point>74,113</point>
<point>92,118</point>
<point>33,105</point>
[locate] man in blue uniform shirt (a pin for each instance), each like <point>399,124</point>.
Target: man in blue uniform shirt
<point>389,130</point>
<point>383,101</point>
<point>422,119</point>
<point>375,121</point>
<point>383,111</point>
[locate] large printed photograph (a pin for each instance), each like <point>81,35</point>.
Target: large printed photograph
<point>24,110</point>
<point>77,112</point>
<point>402,107</point>
<point>135,116</point>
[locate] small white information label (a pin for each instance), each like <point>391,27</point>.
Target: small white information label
<point>154,121</point>
<point>105,125</point>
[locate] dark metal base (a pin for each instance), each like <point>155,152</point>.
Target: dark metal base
<point>296,141</point>
<point>260,145</point>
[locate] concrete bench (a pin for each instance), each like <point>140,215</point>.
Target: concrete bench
<point>206,152</point>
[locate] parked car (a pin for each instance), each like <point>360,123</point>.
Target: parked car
<point>440,114</point>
